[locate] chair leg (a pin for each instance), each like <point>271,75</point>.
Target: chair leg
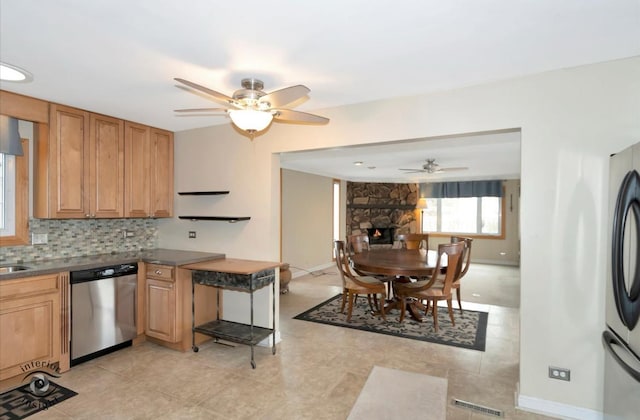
<point>402,306</point>
<point>352,298</point>
<point>344,301</point>
<point>435,315</point>
<point>382,299</point>
<point>459,299</point>
<point>370,303</point>
<point>450,307</point>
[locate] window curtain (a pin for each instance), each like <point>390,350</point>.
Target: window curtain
<point>461,189</point>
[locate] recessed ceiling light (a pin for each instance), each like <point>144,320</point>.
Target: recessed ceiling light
<point>371,167</point>
<point>10,73</point>
<point>358,163</point>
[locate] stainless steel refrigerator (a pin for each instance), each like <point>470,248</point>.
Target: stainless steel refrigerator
<point>621,337</point>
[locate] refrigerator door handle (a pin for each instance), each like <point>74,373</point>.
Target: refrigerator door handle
<point>609,340</point>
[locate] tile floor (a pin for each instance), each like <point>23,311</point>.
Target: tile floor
<point>318,370</point>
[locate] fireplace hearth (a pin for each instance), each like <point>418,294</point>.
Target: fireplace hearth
<point>380,236</point>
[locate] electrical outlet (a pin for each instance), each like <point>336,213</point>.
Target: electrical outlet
<point>192,234</point>
<point>39,238</point>
<point>559,373</point>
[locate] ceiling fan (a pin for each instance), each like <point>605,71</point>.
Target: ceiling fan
<point>251,109</point>
<point>431,167</point>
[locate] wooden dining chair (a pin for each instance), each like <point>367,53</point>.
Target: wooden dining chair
<point>354,285</point>
<point>359,243</point>
<point>431,290</point>
<point>466,260</point>
<point>413,240</point>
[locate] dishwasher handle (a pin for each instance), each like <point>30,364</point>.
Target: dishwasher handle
<point>98,273</point>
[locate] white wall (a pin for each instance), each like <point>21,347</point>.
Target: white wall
<point>307,228</point>
<point>571,121</point>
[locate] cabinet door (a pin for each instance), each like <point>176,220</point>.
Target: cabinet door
<point>68,163</point>
<point>29,323</point>
<point>161,310</point>
<point>106,167</point>
<point>161,173</point>
<point>137,170</point>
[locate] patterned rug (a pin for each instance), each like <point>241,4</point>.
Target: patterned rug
<point>470,331</point>
<point>26,400</point>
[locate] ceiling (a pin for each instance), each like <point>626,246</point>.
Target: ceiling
<point>119,57</point>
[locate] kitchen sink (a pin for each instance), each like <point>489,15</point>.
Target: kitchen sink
<point>4,269</point>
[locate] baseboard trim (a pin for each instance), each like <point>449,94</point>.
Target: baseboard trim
<point>496,262</point>
<point>556,409</point>
<point>303,272</point>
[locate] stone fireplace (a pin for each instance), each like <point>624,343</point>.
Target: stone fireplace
<point>388,207</point>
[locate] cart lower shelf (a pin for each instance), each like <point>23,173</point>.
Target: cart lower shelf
<point>234,332</point>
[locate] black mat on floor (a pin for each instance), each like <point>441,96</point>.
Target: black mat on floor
<point>22,402</point>
<point>470,331</point>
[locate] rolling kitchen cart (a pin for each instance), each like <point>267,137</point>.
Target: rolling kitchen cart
<point>241,275</point>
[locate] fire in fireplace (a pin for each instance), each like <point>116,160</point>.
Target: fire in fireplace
<point>378,236</point>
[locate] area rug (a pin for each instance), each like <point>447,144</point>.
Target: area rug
<point>470,331</point>
<point>22,402</point>
<point>394,394</point>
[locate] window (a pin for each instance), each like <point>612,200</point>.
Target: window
<point>14,205</point>
<point>480,216</point>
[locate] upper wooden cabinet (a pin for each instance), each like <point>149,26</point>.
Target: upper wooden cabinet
<point>83,161</point>
<point>149,171</point>
<point>94,166</point>
<point>161,165</point>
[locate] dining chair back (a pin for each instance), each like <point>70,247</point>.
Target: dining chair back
<point>413,240</point>
<point>358,243</point>
<point>465,262</point>
<point>354,285</point>
<point>435,288</point>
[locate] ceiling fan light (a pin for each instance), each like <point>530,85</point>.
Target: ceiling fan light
<point>250,120</point>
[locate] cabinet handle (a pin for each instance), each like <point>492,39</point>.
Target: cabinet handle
<point>158,272</point>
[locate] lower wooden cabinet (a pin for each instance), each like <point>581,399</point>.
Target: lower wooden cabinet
<point>168,301</point>
<point>31,323</point>
<point>162,320</point>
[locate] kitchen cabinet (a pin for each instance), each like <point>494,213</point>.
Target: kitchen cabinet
<point>163,320</point>
<point>161,188</point>
<point>149,171</point>
<point>168,302</point>
<point>31,322</point>
<point>83,162</point>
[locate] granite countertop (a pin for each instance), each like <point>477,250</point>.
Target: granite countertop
<point>172,257</point>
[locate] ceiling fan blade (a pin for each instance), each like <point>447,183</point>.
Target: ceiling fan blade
<point>412,170</point>
<point>283,97</point>
<point>461,168</point>
<point>200,110</point>
<point>220,97</point>
<point>288,115</point>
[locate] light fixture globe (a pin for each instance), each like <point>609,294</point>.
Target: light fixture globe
<point>251,120</point>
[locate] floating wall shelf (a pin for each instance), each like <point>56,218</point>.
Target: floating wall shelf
<point>229,219</point>
<point>203,192</point>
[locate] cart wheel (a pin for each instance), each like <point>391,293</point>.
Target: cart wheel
<point>195,349</point>
<point>253,364</point>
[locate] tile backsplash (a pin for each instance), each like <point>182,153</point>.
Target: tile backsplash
<point>75,238</point>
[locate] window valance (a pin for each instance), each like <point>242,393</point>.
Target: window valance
<point>461,189</point>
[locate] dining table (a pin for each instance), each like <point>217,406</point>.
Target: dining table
<point>404,265</point>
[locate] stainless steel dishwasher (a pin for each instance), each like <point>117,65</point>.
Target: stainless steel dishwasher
<point>103,310</point>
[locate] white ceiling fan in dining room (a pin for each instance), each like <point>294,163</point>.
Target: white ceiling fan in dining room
<point>252,109</point>
<point>431,167</point>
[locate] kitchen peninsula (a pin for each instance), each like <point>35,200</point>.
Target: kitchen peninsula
<point>164,302</point>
